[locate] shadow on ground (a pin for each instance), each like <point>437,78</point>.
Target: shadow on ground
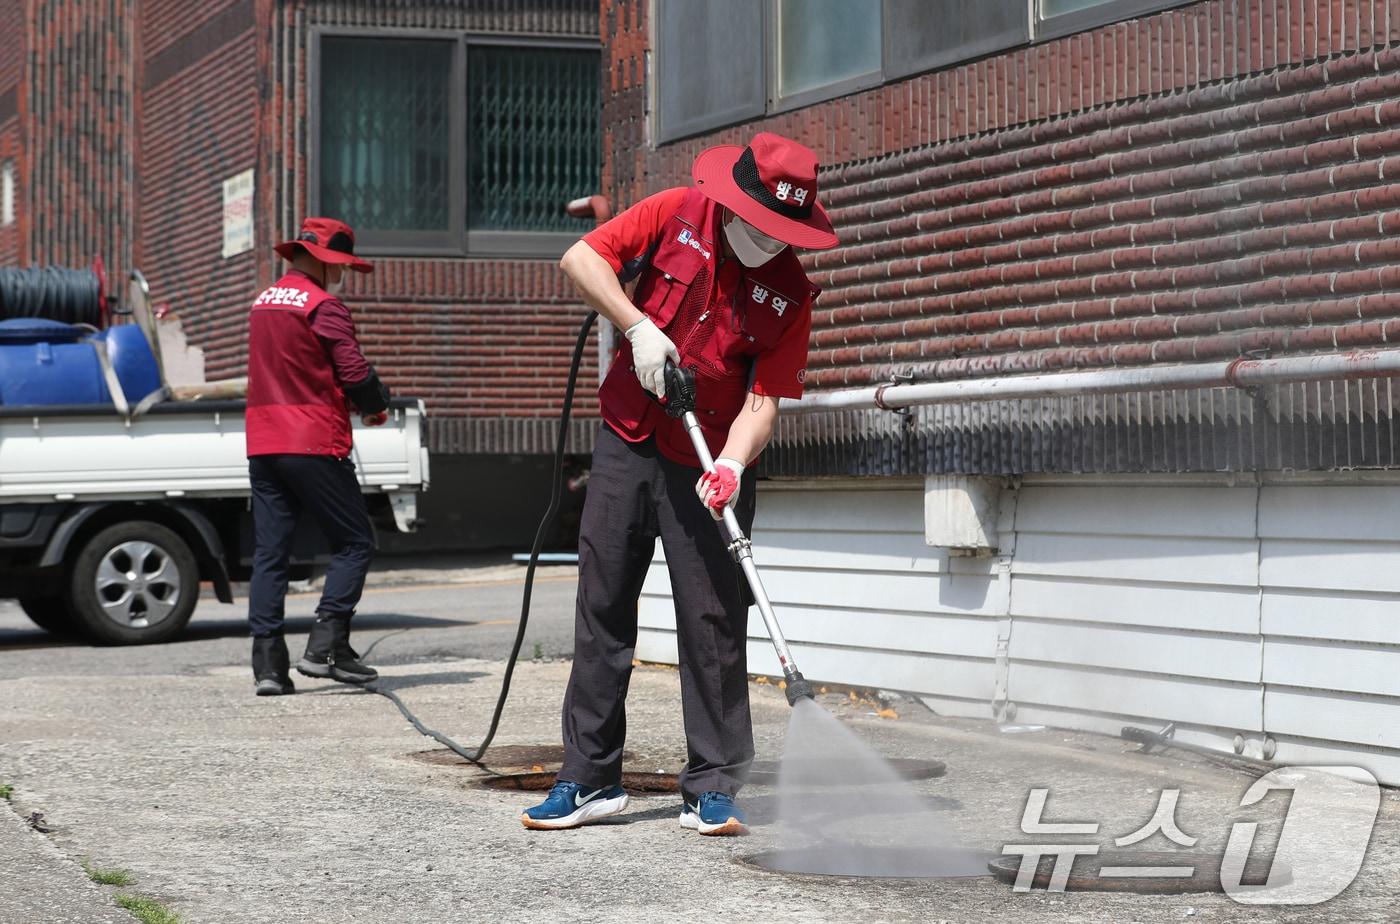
<point>205,630</point>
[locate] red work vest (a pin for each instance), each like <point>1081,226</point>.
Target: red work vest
<point>294,404</point>
<point>718,339</point>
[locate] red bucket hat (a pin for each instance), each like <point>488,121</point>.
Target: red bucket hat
<point>327,240</point>
<point>772,185</point>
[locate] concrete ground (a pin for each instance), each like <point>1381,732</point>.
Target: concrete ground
<point>328,806</point>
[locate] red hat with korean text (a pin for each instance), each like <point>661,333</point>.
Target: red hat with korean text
<point>772,185</point>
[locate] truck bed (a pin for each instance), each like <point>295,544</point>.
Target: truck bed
<point>178,449</point>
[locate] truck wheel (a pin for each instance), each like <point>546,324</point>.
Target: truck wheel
<point>49,613</point>
<point>134,583</point>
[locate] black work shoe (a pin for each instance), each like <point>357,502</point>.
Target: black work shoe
<point>329,655</point>
<point>270,666</point>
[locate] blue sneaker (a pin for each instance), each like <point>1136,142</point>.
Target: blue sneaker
<point>715,814</point>
<point>570,805</point>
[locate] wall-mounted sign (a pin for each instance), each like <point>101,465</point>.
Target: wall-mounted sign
<point>238,213</point>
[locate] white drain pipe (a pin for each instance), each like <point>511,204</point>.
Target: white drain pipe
<point>1237,373</point>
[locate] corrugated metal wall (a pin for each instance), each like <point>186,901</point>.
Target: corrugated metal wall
<point>1270,611</point>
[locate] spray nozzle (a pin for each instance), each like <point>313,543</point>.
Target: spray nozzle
<point>798,688</point>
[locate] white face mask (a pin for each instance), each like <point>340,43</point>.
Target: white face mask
<point>751,246</point>
<point>334,288</point>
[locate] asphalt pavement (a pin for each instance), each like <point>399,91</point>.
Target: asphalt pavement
<point>327,806</point>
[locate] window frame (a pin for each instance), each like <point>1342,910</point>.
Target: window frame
<point>1039,29</point>
<point>772,43</point>
<point>1045,28</point>
<point>506,244</point>
<point>459,240</point>
<point>657,129</point>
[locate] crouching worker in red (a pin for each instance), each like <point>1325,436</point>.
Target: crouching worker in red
<point>720,291</point>
<point>305,370</point>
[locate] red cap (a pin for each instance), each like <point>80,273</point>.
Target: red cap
<point>772,185</point>
<point>327,240</point>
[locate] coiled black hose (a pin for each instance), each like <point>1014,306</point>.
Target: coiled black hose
<point>53,292</point>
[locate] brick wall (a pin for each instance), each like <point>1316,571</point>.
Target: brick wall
<point>1205,183</point>
<point>486,342</point>
<point>198,125</point>
<point>78,120</point>
<point>130,115</point>
<point>13,14</point>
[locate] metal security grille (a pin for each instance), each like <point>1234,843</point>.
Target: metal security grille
<point>385,144</point>
<point>532,136</point>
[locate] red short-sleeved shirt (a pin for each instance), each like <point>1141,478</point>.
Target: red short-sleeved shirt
<point>779,372</point>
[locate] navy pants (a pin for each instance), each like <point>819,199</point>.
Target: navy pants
<point>285,488</point>
<point>635,495</point>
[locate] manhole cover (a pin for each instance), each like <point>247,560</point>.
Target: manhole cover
<point>1160,872</point>
<point>765,772</point>
<point>634,783</point>
<point>873,862</point>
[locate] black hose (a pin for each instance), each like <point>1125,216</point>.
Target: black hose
<point>545,524</point>
<point>52,292</point>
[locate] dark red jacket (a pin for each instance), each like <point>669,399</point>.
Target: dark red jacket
<point>295,405</point>
<point>719,344</point>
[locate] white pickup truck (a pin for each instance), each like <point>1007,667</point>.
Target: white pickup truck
<point>109,524</point>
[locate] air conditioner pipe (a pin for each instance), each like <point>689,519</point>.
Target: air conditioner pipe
<point>1236,373</point>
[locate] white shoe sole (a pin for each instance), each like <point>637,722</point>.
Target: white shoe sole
<point>589,811</point>
<point>731,827</point>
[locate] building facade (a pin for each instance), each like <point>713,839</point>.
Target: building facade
<point>1060,186</point>
<point>185,138</point>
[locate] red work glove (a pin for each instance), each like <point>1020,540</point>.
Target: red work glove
<point>374,420</point>
<point>718,489</point>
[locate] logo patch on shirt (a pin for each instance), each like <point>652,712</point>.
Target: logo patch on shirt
<point>690,240</point>
<point>801,376</point>
<point>283,295</point>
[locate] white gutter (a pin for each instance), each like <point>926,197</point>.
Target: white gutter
<point>1237,373</point>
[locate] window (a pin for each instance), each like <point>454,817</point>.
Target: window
<point>386,155</point>
<point>721,62</point>
<point>1055,18</point>
<point>7,193</point>
<point>444,144</point>
<point>727,61</point>
<point>823,45</point>
<point>532,137</point>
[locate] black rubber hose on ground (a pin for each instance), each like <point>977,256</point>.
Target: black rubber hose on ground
<point>550,513</point>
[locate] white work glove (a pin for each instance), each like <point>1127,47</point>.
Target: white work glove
<point>719,488</point>
<point>650,350</point>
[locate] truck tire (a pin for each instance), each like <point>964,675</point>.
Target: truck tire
<point>133,583</point>
<point>49,613</point>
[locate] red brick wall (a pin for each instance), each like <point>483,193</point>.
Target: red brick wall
<point>197,127</point>
<point>13,14</point>
<point>485,342</point>
<point>220,87</point>
<point>1197,184</point>
<point>77,167</point>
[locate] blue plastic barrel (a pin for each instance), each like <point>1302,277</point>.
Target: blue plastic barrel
<point>44,363</point>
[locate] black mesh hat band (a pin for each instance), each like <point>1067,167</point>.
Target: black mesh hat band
<point>747,178</point>
<point>340,241</point>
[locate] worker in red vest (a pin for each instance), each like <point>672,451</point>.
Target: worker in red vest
<point>721,291</point>
<point>305,371</point>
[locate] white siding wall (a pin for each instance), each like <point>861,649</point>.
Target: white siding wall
<point>1270,612</point>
